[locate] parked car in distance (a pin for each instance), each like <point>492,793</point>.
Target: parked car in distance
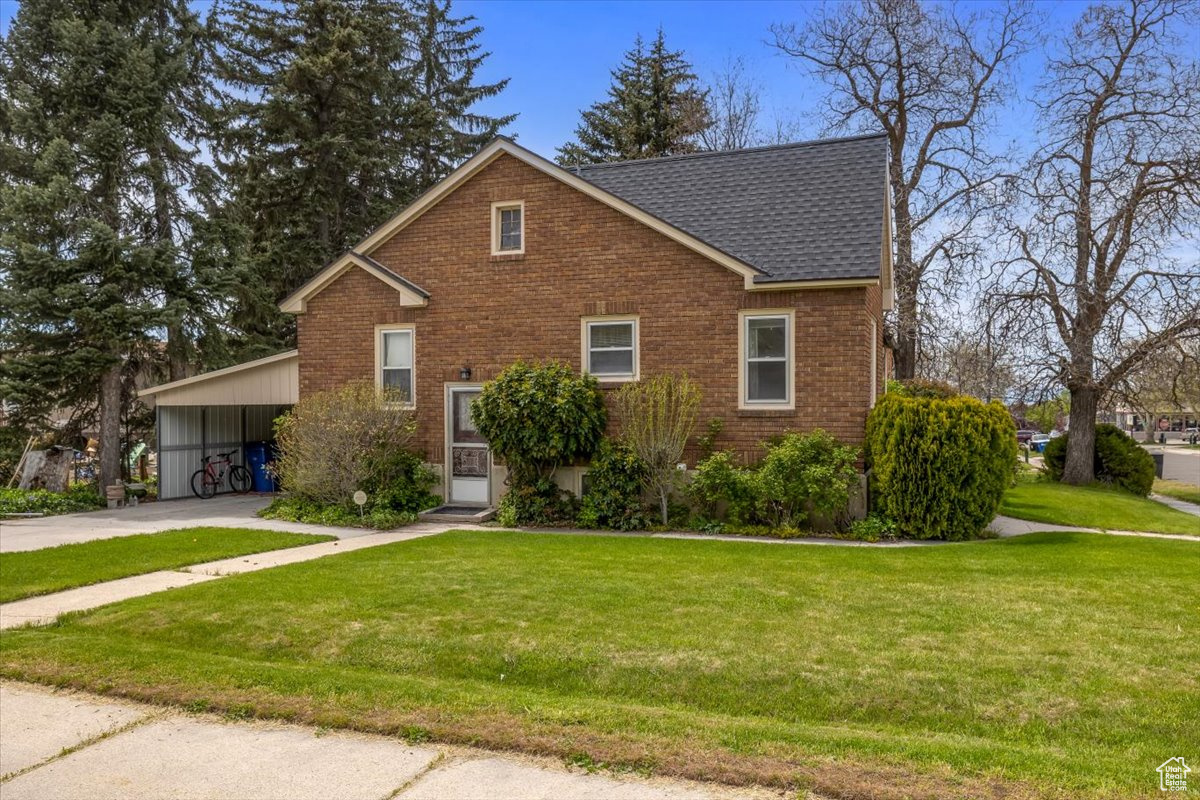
<point>1038,442</point>
<point>1054,434</point>
<point>1023,436</point>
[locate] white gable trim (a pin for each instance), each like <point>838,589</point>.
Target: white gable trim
<point>297,302</point>
<point>502,146</point>
<point>204,377</point>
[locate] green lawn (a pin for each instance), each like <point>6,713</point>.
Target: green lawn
<point>1178,489</point>
<point>1094,507</point>
<point>70,565</point>
<point>1057,665</point>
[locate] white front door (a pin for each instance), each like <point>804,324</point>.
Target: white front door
<point>468,451</point>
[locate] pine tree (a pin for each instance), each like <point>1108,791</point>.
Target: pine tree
<point>341,111</point>
<point>655,108</point>
<point>85,91</point>
<point>441,62</point>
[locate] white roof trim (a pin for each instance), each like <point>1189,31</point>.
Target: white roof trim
<point>502,146</point>
<point>219,373</point>
<point>297,301</point>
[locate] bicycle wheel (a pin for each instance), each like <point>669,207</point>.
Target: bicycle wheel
<point>202,486</point>
<point>239,479</point>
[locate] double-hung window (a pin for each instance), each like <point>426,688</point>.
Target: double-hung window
<point>508,228</point>
<point>394,356</point>
<point>767,364</point>
<point>610,348</point>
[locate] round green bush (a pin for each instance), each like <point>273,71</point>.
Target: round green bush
<point>1118,460</point>
<point>940,464</point>
<point>537,417</point>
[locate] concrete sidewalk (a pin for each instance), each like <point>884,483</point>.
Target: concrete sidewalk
<point>70,746</point>
<point>1178,505</point>
<point>46,608</point>
<point>1006,527</point>
<point>225,511</point>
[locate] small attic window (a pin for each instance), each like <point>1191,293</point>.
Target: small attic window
<point>508,228</point>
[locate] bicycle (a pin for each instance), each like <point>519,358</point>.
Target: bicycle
<point>210,477</point>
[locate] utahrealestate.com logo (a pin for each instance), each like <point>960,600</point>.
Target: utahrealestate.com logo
<point>1172,775</point>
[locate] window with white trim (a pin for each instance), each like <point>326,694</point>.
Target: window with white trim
<point>767,354</point>
<point>396,362</point>
<point>508,228</point>
<point>610,348</point>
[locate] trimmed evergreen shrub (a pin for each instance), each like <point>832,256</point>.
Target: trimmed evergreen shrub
<point>1118,460</point>
<point>940,464</point>
<point>614,493</point>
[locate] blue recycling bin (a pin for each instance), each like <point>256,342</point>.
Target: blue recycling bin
<point>257,454</point>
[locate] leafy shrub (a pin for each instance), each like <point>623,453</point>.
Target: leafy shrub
<point>537,417</point>
<point>658,415</point>
<point>80,497</point>
<point>804,480</point>
<point>807,478</point>
<point>940,465</point>
<point>614,494</point>
<point>333,443</point>
<point>723,489</point>
<point>539,503</point>
<point>874,528</point>
<point>1118,460</point>
<point>295,508</point>
<point>401,483</point>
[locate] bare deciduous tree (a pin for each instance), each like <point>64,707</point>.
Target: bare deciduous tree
<point>734,102</point>
<point>1167,380</point>
<point>1092,284</point>
<point>972,361</point>
<point>930,78</point>
<point>657,416</point>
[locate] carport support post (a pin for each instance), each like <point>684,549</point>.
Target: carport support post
<point>157,447</point>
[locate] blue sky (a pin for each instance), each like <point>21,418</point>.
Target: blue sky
<point>558,55</point>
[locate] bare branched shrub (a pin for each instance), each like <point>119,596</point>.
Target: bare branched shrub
<point>335,442</point>
<point>657,416</point>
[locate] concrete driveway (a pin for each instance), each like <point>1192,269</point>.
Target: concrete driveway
<point>1180,464</point>
<point>229,511</point>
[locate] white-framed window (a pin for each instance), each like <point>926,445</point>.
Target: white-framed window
<point>508,228</point>
<point>610,348</point>
<point>766,368</point>
<point>394,361</point>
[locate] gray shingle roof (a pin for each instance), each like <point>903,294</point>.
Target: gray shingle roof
<point>805,211</point>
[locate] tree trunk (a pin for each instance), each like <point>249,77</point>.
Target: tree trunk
<point>1081,443</point>
<point>662,505</point>
<point>905,346</point>
<point>177,362</point>
<point>110,427</point>
<point>906,281</point>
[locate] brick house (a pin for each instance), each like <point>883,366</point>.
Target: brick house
<point>762,273</point>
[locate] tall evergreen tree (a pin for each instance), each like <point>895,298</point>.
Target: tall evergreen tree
<point>340,111</point>
<point>655,107</point>
<point>442,60</point>
<point>86,89</point>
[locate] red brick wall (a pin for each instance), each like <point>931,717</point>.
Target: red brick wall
<point>487,311</point>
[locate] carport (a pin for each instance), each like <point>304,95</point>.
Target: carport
<point>217,412</point>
